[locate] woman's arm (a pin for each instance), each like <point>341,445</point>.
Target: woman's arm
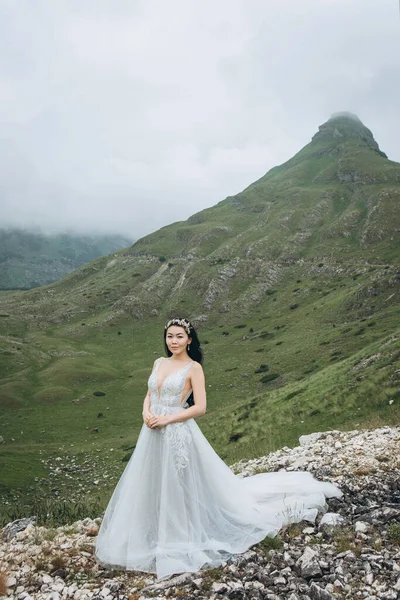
<point>146,413</point>
<point>199,408</point>
<point>146,407</point>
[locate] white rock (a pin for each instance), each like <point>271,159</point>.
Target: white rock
<point>253,585</point>
<point>46,578</point>
<point>236,585</point>
<point>308,563</point>
<point>11,582</point>
<point>299,463</point>
<point>287,557</point>
<point>362,526</point>
<point>308,530</point>
<point>369,578</point>
<point>307,440</point>
<point>331,520</point>
<point>219,588</point>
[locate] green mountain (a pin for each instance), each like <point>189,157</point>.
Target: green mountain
<point>293,284</point>
<point>29,259</point>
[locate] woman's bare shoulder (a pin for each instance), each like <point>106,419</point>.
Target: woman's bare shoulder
<point>155,362</point>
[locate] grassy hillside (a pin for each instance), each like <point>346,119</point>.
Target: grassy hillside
<point>294,287</point>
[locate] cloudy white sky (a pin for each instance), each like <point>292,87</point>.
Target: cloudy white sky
<point>126,115</point>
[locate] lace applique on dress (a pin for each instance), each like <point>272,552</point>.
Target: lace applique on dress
<point>180,439</point>
<point>176,435</point>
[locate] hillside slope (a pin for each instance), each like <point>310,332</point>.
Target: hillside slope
<point>294,287</point>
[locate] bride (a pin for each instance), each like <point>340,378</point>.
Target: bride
<point>177,505</point>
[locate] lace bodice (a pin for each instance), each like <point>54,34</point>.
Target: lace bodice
<point>170,393</point>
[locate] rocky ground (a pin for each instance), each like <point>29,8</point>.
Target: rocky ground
<point>351,552</point>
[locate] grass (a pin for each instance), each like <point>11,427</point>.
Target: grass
<point>52,512</point>
<point>209,576</point>
<point>271,543</point>
<point>394,533</point>
<point>266,416</point>
<point>58,561</point>
<point>344,540</point>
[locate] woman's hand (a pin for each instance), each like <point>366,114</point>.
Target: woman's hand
<point>158,421</point>
<point>147,414</point>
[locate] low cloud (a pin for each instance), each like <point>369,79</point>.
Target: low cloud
<point>123,117</point>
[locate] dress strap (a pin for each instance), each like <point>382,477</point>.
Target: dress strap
<point>184,400</point>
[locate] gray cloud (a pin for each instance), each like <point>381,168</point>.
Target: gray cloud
<point>125,116</point>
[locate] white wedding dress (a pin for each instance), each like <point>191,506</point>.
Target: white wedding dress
<point>178,506</point>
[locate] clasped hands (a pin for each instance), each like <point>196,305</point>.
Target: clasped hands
<point>153,421</point>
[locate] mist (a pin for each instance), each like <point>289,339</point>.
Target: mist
<point>125,117</point>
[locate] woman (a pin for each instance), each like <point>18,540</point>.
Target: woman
<point>177,506</point>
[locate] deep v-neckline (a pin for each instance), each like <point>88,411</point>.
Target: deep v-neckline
<point>160,387</point>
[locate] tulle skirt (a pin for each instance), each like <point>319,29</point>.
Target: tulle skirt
<point>177,506</point>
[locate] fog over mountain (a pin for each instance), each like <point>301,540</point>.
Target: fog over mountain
<point>123,117</point>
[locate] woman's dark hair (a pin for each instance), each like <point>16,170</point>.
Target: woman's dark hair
<point>195,352</point>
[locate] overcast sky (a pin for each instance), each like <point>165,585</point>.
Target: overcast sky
<point>126,115</point>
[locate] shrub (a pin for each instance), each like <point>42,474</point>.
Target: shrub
<point>295,393</point>
<point>266,335</point>
<point>58,562</point>
<point>235,437</point>
<point>269,377</point>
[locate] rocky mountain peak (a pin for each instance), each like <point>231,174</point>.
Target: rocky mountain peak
<point>343,126</point>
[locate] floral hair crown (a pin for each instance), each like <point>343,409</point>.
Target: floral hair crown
<point>182,323</point>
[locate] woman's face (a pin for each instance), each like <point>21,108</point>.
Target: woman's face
<point>177,339</point>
